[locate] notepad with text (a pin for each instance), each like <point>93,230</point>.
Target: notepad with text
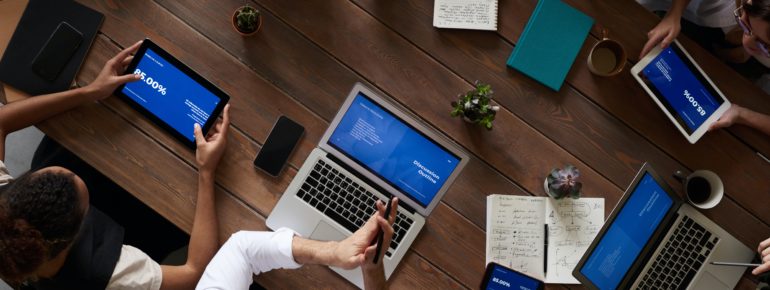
<point>516,233</point>
<point>465,14</point>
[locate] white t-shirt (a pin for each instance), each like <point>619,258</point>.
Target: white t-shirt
<point>709,13</point>
<point>134,270</point>
<point>246,254</point>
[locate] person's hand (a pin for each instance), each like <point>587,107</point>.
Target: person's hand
<point>358,250</point>
<point>728,118</point>
<point>764,252</point>
<point>110,77</point>
<point>211,148</point>
<point>664,33</point>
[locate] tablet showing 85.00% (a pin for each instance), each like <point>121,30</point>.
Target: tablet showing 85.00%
<point>151,82</point>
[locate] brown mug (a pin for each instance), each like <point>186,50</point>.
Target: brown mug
<point>607,57</point>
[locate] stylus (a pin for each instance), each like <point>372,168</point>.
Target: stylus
<point>735,264</point>
<point>381,234</point>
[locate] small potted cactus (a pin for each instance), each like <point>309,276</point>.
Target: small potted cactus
<point>247,20</point>
<point>475,106</point>
<point>563,182</point>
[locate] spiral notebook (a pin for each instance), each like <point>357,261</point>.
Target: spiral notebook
<point>540,236</point>
<point>465,14</point>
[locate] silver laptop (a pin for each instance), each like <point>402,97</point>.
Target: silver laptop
<point>652,240</point>
<point>372,150</point>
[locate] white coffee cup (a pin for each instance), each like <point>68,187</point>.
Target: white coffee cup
<point>703,188</point>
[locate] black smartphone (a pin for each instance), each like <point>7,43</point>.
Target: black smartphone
<point>280,144</point>
<point>57,51</point>
<point>499,277</point>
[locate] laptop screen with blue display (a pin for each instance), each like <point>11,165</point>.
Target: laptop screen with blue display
<point>393,150</point>
<point>628,234</point>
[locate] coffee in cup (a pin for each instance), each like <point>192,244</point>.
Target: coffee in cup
<point>703,188</point>
<point>607,57</point>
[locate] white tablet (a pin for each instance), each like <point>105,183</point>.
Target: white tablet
<point>681,89</point>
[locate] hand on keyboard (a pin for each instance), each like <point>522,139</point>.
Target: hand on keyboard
<point>356,249</point>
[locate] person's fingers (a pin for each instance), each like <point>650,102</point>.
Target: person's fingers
<point>126,52</point>
<point>369,253</point>
<point>225,120</point>
<point>765,252</point>
<point>763,245</point>
<point>199,139</point>
<point>385,225</point>
<point>668,39</point>
<point>393,210</point>
<point>127,60</point>
<point>126,78</point>
<point>761,269</point>
<point>653,38</point>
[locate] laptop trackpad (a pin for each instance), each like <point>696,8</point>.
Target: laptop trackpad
<point>325,232</point>
<point>708,281</point>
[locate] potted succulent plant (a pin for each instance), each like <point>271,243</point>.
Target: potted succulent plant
<point>475,106</point>
<point>563,182</point>
<point>247,20</point>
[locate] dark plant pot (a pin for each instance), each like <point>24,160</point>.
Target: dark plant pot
<point>245,33</point>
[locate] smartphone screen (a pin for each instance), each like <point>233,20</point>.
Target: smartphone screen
<point>57,51</point>
<point>279,145</point>
<point>498,277</point>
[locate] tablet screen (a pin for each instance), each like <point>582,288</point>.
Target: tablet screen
<point>502,278</point>
<point>682,89</point>
<point>171,95</point>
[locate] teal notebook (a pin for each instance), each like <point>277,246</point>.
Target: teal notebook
<point>550,42</point>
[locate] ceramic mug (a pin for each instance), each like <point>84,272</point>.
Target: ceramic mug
<point>607,57</point>
<point>704,188</point>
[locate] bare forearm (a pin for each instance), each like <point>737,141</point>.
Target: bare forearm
<point>755,120</point>
<point>312,252</point>
<point>24,113</point>
<point>203,238</point>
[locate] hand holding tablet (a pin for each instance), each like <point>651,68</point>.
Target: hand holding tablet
<point>171,94</point>
<point>681,89</point>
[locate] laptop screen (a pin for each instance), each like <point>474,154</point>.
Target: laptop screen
<point>393,150</point>
<point>624,239</point>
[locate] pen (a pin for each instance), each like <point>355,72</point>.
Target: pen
<point>735,264</point>
<point>545,250</point>
<point>380,234</point>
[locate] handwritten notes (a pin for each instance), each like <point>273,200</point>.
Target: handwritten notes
<point>516,233</point>
<point>465,14</point>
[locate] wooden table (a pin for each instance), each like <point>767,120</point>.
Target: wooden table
<point>308,55</point>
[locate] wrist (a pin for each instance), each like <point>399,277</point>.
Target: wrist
<point>86,93</point>
<point>206,174</point>
<point>313,252</point>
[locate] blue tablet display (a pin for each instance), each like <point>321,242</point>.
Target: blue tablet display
<point>681,88</point>
<point>171,95</point>
<point>393,150</point>
<point>503,279</point>
<point>628,234</point>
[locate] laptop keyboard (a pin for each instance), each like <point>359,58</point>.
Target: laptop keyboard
<point>345,201</point>
<point>681,257</point>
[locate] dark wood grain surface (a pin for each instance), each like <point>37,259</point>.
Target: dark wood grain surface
<point>309,54</point>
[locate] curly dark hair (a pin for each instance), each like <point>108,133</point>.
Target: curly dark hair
<point>40,215</point>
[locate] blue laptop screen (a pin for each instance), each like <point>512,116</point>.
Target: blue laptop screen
<point>628,234</point>
<point>681,88</point>
<point>393,150</point>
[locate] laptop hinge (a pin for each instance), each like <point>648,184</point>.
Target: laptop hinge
<point>368,181</point>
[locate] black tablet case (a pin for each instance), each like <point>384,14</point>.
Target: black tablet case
<point>39,21</point>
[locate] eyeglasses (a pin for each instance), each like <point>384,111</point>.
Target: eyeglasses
<point>738,12</point>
